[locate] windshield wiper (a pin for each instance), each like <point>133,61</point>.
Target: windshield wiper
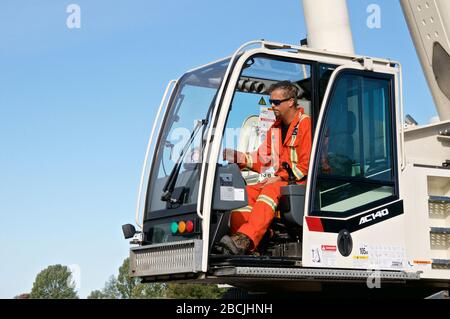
<point>172,180</point>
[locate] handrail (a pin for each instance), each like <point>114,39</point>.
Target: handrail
<point>402,118</point>
<point>170,85</point>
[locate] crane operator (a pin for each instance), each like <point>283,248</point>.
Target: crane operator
<point>287,141</point>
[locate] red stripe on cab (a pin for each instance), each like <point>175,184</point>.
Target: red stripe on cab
<point>314,224</point>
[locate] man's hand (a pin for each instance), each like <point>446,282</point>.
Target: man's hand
<point>233,156</point>
<point>271,180</point>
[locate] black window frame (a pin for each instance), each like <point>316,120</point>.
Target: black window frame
<point>318,99</point>
<point>394,153</point>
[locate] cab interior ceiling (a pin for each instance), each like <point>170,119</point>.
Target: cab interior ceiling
<point>261,86</point>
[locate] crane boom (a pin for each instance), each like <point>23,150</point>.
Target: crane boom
<point>429,26</point>
<point>328,25</point>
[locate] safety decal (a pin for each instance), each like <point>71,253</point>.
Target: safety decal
<point>324,255</point>
<point>226,187</point>
<point>420,264</point>
<point>266,120</point>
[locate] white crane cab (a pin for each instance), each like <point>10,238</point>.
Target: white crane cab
<point>364,207</point>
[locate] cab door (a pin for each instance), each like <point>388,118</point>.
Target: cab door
<point>354,215</point>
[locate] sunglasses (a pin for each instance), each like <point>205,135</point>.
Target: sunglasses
<point>278,102</point>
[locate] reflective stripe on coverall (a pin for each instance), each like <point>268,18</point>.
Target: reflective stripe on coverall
<point>254,220</point>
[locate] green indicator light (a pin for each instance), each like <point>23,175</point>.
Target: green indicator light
<point>174,227</point>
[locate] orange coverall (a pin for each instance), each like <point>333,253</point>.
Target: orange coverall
<point>254,220</point>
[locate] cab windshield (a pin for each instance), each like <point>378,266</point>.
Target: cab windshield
<point>176,167</point>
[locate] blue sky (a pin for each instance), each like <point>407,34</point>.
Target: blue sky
<point>76,109</point>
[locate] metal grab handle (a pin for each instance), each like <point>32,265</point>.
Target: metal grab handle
<point>171,84</point>
<point>402,118</point>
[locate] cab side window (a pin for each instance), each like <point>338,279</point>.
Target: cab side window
<point>355,162</point>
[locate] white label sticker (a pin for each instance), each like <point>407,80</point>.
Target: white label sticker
<point>227,193</point>
<point>324,255</point>
<point>266,119</point>
<point>267,114</point>
<point>239,194</point>
<point>379,256</point>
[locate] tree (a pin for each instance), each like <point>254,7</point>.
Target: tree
<point>194,291</point>
<point>149,291</point>
<point>54,282</point>
<point>126,287</point>
<point>96,294</point>
<point>125,283</point>
<point>110,291</point>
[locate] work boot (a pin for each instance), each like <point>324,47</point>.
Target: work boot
<point>237,244</point>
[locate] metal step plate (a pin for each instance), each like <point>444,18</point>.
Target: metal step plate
<point>440,237</point>
<point>439,206</point>
<point>169,258</point>
<point>441,263</point>
<point>312,273</point>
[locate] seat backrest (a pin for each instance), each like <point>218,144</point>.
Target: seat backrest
<point>292,204</point>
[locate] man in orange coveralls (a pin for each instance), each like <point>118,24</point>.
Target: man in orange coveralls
<point>288,140</point>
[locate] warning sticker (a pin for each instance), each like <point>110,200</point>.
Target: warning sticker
<point>266,119</point>
<point>329,248</point>
<point>420,265</point>
<point>226,187</point>
<point>324,255</point>
<point>262,101</point>
<point>422,262</point>
<point>266,114</point>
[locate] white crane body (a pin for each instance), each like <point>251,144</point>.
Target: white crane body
<point>383,207</point>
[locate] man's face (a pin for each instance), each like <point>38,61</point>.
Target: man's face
<point>281,109</point>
